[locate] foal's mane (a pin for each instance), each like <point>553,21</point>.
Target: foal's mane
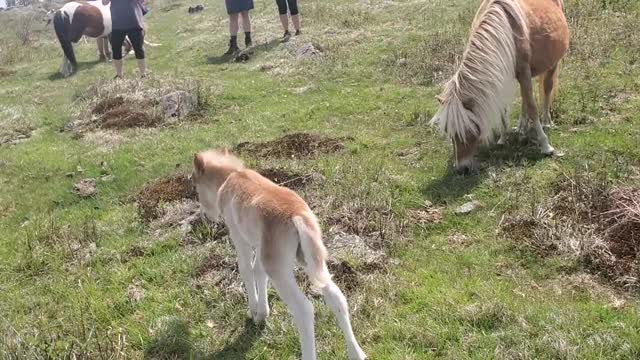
<point>483,85</point>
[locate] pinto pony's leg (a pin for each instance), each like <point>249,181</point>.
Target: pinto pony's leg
<point>548,84</point>
<point>101,50</point>
<point>529,101</point>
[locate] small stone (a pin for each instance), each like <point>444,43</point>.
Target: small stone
<point>401,62</point>
<point>106,178</point>
<point>468,207</point>
<point>85,188</point>
<point>210,324</point>
<point>427,204</point>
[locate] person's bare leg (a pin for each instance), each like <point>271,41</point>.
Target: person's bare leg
<point>117,64</point>
<point>246,26</point>
<point>295,19</point>
<point>233,33</point>
<point>284,20</point>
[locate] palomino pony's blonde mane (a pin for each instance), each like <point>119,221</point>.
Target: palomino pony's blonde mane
<point>486,75</point>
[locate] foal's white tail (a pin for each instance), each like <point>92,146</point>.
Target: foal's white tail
<point>315,253</point>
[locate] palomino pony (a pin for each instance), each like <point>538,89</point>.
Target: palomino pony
<point>76,19</point>
<point>510,40</point>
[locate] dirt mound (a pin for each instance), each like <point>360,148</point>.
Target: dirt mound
<point>126,104</point>
<point>108,104</point>
<point>296,145</point>
<point>154,195</point>
<point>124,117</point>
<point>587,219</point>
<point>6,72</point>
<point>292,180</point>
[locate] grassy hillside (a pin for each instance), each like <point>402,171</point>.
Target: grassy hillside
<point>537,271</point>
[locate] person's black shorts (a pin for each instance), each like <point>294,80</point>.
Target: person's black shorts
<point>291,4</point>
<point>136,36</point>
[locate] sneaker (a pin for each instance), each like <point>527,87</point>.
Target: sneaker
<point>286,35</point>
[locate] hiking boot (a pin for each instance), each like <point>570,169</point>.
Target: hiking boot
<point>298,32</point>
<point>247,39</point>
<point>233,46</point>
<point>286,35</point>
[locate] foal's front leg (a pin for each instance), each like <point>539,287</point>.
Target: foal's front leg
<point>245,257</point>
<point>262,284</point>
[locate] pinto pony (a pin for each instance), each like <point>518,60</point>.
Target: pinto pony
<point>510,40</point>
<point>79,18</point>
<point>271,228</point>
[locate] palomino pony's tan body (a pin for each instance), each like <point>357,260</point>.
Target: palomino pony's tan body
<point>276,225</point>
<point>510,40</point>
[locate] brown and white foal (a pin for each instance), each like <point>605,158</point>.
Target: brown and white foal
<point>276,226</point>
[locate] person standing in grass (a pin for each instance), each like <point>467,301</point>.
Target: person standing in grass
<point>126,21</point>
<point>290,6</point>
<point>235,9</point>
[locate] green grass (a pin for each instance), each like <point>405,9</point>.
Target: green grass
<point>488,298</point>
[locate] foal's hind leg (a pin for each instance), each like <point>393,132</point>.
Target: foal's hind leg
<point>529,101</point>
<point>299,306</point>
<point>548,82</point>
<point>338,304</point>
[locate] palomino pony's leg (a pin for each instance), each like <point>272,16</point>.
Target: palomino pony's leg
<point>245,257</point>
<point>505,125</point>
<point>548,82</point>
<point>338,304</point>
<point>529,101</point>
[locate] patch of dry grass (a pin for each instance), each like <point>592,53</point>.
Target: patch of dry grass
<point>589,219</point>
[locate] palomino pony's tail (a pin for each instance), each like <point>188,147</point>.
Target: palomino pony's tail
<point>314,251</point>
<point>484,84</point>
<point>61,25</point>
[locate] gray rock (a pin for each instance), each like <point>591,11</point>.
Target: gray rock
<point>178,104</point>
<point>468,207</point>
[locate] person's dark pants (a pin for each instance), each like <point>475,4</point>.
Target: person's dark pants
<point>136,37</point>
<point>292,4</point>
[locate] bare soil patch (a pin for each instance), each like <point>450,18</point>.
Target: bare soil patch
<point>296,145</point>
<point>167,190</point>
<point>589,219</point>
<point>15,137</point>
<point>6,72</point>
<point>290,179</point>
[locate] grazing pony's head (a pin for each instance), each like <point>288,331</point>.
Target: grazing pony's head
<point>482,88</point>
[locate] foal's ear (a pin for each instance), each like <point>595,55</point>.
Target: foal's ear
<point>198,163</point>
<point>440,99</point>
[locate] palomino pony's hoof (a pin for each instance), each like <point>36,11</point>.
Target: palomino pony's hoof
<point>465,170</point>
<point>549,151</point>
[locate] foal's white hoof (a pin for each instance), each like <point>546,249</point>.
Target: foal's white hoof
<point>258,317</point>
<point>358,354</point>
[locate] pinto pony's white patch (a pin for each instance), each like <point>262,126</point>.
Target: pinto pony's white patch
<point>483,86</point>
